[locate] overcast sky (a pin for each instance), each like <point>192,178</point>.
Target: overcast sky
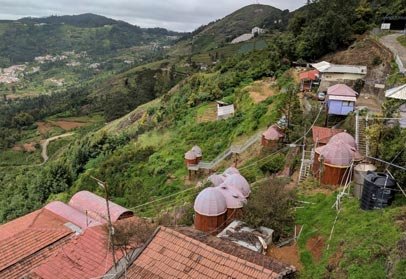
<point>179,15</point>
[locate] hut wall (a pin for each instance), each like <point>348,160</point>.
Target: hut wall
<point>198,159</point>
<point>191,162</point>
<point>233,214</point>
<point>316,165</point>
<point>125,215</point>
<point>334,175</point>
<point>212,224</point>
<point>272,144</point>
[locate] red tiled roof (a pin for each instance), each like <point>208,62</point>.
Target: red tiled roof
<point>322,134</point>
<point>187,253</point>
<point>24,239</point>
<point>310,75</point>
<point>85,256</point>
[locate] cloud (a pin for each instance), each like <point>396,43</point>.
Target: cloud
<point>180,15</point>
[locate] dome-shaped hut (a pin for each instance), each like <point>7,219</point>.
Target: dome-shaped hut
<point>216,179</point>
<point>238,182</point>
<point>231,170</point>
<point>210,210</point>
<point>335,158</point>
<point>345,137</point>
<point>198,152</point>
<point>235,201</point>
<point>190,158</point>
<point>272,136</point>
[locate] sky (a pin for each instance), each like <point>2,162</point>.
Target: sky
<point>177,15</point>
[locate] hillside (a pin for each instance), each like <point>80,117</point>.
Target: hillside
<point>131,124</point>
<point>23,40</point>
<point>222,31</point>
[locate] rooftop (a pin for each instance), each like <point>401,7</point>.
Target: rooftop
<point>309,75</point>
<point>322,134</point>
<point>341,90</point>
<point>29,240</point>
<point>326,67</point>
<point>187,253</point>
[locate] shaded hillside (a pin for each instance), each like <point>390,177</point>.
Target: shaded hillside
<point>22,40</point>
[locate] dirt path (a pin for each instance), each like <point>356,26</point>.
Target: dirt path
<point>44,145</point>
<point>391,42</point>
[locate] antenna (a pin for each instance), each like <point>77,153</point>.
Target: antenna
<point>103,185</point>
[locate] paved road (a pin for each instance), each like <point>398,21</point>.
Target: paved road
<point>44,145</point>
<point>391,42</point>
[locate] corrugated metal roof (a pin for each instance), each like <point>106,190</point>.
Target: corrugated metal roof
<point>225,110</point>
<point>95,206</point>
<point>323,134</point>
<point>397,92</point>
<point>309,75</point>
<point>326,67</point>
<point>71,214</point>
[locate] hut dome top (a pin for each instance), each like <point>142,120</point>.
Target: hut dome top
<point>190,155</point>
<point>238,182</point>
<point>231,170</point>
<point>337,153</point>
<point>197,150</point>
<point>216,179</point>
<point>210,202</point>
<point>273,133</point>
<point>345,137</point>
<point>234,198</point>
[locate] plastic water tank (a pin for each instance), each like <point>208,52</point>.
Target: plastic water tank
<point>377,191</point>
<point>360,171</point>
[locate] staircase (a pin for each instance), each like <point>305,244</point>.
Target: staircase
<point>361,126</point>
<point>306,165</point>
<point>234,149</point>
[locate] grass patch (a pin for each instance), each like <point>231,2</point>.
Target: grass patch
<point>18,158</point>
<point>363,240</point>
<point>402,40</point>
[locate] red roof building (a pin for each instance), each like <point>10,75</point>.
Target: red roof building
<point>308,79</point>
<point>321,135</point>
<point>85,256</point>
<point>28,241</point>
<point>187,253</point>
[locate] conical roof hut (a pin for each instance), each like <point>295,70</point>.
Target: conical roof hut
<point>210,210</point>
<point>197,150</point>
<point>231,170</point>
<point>239,183</point>
<point>273,133</point>
<point>210,202</point>
<point>345,137</point>
<point>190,158</point>
<point>216,179</point>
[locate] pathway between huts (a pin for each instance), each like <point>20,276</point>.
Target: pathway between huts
<point>391,42</point>
<point>44,145</point>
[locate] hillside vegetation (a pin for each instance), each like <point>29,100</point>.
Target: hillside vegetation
<point>158,110</point>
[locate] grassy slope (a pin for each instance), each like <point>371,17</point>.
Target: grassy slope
<point>402,40</point>
<point>363,245</point>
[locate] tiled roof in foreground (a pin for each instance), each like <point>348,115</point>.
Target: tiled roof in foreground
<point>187,253</point>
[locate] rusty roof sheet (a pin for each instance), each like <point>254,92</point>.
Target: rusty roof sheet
<point>187,253</point>
<point>309,75</point>
<point>323,134</point>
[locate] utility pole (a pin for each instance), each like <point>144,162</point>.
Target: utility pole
<point>103,185</point>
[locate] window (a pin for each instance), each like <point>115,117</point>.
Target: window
<point>347,104</point>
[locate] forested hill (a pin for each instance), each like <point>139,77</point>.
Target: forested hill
<point>24,39</point>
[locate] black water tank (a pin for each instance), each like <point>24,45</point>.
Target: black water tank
<point>378,191</point>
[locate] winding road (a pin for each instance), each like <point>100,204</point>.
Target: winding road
<point>391,42</point>
<point>44,145</point>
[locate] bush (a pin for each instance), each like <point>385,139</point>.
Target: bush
<point>270,205</point>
